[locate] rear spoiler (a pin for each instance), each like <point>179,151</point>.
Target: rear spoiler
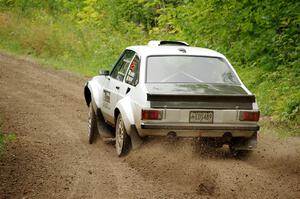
<point>204,98</point>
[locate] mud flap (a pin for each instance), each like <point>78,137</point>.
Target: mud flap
<point>102,127</point>
<point>136,140</point>
<point>244,143</point>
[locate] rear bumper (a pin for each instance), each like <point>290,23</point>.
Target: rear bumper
<point>200,127</point>
<point>194,130</point>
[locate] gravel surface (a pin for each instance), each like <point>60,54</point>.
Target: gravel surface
<point>51,157</point>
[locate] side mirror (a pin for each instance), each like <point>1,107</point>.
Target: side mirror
<point>104,72</point>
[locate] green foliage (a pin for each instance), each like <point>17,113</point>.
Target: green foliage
<point>4,138</point>
<point>261,38</point>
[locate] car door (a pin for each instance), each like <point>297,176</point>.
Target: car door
<point>114,84</point>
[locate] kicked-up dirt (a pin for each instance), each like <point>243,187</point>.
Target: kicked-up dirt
<point>51,157</point>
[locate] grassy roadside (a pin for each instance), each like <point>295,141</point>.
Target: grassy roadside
<point>5,138</point>
<point>271,127</point>
<point>85,48</point>
<point>64,45</point>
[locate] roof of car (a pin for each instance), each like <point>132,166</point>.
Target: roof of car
<point>148,50</point>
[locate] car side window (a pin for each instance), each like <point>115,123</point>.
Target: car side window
<point>121,66</point>
<point>132,76</point>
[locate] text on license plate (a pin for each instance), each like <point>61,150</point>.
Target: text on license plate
<point>201,116</point>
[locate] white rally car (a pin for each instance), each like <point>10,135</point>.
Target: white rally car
<point>167,88</point>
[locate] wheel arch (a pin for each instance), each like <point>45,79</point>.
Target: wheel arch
<point>93,91</point>
<point>124,108</point>
<point>116,114</point>
<point>87,95</point>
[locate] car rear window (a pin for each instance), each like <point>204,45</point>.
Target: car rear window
<point>189,69</point>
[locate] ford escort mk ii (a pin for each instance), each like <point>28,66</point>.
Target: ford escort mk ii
<point>167,88</point>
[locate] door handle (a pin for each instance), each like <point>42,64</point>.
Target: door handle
<point>117,87</point>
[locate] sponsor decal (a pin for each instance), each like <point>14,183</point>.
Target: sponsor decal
<point>106,96</point>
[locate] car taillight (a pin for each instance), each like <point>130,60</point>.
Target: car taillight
<point>151,115</point>
<point>249,116</point>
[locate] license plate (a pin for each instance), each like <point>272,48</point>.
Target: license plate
<point>201,116</point>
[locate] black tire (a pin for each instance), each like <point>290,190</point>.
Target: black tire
<point>238,147</point>
<point>122,139</point>
<point>213,143</point>
<point>92,125</point>
<point>240,154</point>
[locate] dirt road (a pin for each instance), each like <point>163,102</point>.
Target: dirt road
<point>51,157</point>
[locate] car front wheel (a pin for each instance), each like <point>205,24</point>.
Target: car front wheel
<point>122,139</point>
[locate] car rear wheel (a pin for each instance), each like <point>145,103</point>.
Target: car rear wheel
<point>122,139</point>
<point>240,154</point>
<point>92,125</point>
<point>212,142</point>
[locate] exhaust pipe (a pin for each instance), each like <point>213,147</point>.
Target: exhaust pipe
<point>171,135</point>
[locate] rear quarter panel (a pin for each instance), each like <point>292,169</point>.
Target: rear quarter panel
<point>130,106</point>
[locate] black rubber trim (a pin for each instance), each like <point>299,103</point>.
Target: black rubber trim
<point>197,127</point>
<point>203,98</point>
<point>201,105</point>
<point>179,43</point>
